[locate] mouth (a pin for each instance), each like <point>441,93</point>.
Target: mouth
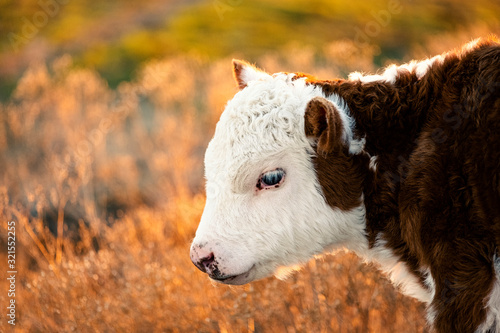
<point>238,279</point>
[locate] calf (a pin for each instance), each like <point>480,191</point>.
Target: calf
<point>403,168</point>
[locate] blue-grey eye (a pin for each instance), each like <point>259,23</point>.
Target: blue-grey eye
<point>271,179</point>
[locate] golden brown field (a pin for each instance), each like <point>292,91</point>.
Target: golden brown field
<point>106,190</point>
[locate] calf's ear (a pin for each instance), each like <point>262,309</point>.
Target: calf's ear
<point>244,73</point>
<point>324,123</point>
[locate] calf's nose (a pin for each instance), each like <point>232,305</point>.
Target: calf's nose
<point>202,259</point>
<point>207,263</point>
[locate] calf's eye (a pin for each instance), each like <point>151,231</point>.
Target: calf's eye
<point>271,179</point>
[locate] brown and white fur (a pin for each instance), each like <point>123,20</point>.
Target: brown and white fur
<point>402,168</point>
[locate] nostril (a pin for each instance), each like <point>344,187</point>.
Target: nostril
<point>207,261</point>
<point>203,258</point>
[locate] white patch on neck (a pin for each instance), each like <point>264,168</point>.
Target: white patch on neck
<point>397,271</point>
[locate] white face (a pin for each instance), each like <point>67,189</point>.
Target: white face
<point>264,208</point>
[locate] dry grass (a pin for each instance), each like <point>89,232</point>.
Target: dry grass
<point>106,189</point>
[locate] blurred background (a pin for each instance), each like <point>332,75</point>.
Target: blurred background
<point>105,112</point>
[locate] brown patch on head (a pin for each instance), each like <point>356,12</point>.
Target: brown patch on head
<point>341,178</point>
<point>340,174</point>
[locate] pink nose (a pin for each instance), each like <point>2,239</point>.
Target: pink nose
<point>203,259</point>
